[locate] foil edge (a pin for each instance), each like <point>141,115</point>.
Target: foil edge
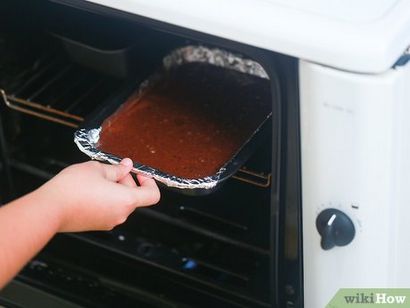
<point>86,142</point>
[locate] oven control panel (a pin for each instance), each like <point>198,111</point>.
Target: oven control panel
<point>355,172</point>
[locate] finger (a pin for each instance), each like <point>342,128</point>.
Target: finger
<point>144,180</point>
<point>126,162</point>
<point>150,186</point>
<point>146,194</point>
<point>117,172</point>
<point>128,181</point>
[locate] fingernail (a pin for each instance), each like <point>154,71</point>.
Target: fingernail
<point>126,162</point>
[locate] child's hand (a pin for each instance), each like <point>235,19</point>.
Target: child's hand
<point>95,196</point>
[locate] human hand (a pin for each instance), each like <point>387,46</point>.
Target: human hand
<point>96,196</point>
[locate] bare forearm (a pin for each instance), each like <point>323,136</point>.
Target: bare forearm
<point>26,225</point>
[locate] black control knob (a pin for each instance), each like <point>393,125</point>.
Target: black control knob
<point>335,228</point>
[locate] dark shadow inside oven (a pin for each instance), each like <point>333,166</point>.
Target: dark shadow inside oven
<point>186,251</point>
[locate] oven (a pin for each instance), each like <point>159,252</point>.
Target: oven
<point>330,175</point>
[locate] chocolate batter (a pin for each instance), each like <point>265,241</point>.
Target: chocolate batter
<point>191,122</point>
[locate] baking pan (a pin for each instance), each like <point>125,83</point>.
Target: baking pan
<point>118,62</point>
<point>107,46</point>
<point>87,137</point>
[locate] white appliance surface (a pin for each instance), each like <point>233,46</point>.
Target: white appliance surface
<point>355,158</point>
<point>362,36</point>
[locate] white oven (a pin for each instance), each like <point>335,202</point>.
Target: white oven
<point>355,132</point>
<point>350,122</point>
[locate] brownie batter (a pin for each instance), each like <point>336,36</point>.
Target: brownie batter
<point>191,122</point>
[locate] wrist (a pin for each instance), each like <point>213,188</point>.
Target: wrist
<point>48,204</point>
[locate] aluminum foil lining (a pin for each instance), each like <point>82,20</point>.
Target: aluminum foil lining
<point>214,56</point>
<point>87,139</point>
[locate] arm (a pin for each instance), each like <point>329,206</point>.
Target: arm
<point>83,197</point>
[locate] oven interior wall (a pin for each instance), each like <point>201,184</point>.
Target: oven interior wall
<point>220,249</point>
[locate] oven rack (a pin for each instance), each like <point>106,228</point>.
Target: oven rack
<point>55,89</point>
<point>131,265</point>
<point>259,179</point>
<point>177,222</point>
<point>170,264</point>
<point>43,112</point>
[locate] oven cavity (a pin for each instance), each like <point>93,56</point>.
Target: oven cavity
<point>186,251</point>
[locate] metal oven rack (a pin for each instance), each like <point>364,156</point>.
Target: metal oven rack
<point>55,89</point>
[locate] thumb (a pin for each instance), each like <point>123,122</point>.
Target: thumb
<point>116,172</point>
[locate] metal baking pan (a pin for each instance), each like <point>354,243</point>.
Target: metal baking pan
<point>119,62</point>
<point>87,138</point>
